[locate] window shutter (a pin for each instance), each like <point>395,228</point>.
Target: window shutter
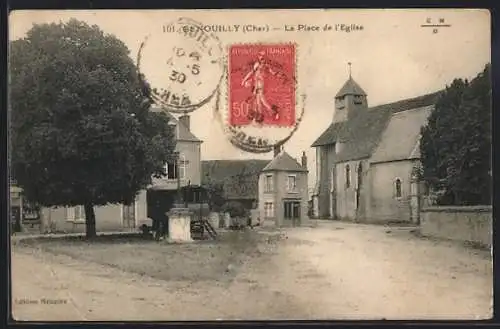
<point>69,213</point>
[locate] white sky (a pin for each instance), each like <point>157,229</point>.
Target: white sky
<point>393,58</point>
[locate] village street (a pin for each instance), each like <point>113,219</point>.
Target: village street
<point>332,271</point>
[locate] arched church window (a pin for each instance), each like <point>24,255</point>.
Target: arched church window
<point>347,176</point>
<point>360,175</point>
<point>397,188</point>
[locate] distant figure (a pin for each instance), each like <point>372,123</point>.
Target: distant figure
<point>160,223</point>
<point>162,227</point>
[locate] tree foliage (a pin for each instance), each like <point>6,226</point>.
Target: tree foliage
<point>215,193</point>
<point>216,196</point>
<point>82,132</point>
<point>235,209</point>
<point>456,143</point>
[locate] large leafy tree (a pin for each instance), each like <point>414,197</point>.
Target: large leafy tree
<point>456,143</point>
<point>82,132</point>
<point>215,193</point>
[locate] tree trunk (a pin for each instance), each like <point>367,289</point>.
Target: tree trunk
<point>89,221</point>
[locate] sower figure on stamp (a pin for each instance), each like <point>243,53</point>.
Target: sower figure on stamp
<point>258,100</point>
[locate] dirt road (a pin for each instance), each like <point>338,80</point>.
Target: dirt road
<point>333,271</point>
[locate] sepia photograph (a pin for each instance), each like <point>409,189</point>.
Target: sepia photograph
<point>250,164</point>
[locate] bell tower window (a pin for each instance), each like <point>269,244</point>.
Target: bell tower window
<point>358,99</point>
<point>340,102</point>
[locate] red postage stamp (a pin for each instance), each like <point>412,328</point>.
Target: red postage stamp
<point>262,84</point>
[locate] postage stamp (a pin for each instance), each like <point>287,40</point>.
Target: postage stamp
<point>262,84</point>
<point>260,107</point>
<point>186,75</point>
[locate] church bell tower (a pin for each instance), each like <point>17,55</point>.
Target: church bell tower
<point>350,99</point>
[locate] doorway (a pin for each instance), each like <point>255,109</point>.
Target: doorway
<point>129,215</point>
<point>292,212</point>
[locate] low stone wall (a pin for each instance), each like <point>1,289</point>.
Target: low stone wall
<point>461,223</point>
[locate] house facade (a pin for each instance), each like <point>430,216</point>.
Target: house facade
<point>283,194</point>
<point>156,199</point>
<point>368,158</point>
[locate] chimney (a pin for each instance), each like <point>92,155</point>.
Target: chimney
<point>304,160</point>
<point>185,120</point>
<point>277,150</point>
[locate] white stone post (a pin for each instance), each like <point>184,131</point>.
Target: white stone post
<point>254,213</point>
<point>227,220</point>
<point>214,219</point>
<point>179,225</point>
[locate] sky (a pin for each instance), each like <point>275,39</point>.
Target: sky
<point>392,57</point>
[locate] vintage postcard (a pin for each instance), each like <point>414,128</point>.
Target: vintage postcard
<point>175,165</point>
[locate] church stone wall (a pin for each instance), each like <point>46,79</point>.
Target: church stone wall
<point>327,164</point>
<point>349,205</point>
<point>384,205</point>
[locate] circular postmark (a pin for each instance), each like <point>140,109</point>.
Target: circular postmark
<point>261,109</point>
<point>183,65</point>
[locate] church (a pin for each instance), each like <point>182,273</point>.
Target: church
<point>367,160</point>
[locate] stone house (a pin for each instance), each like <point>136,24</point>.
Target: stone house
<point>239,178</point>
<point>157,198</point>
<point>283,195</point>
<point>367,159</point>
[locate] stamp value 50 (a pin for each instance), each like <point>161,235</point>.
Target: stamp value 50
<point>262,84</point>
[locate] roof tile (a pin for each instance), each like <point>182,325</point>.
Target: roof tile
<point>351,87</point>
<point>399,140</point>
<point>284,162</point>
<point>185,135</point>
<point>362,133</point>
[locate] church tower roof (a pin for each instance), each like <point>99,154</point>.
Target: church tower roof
<point>351,87</point>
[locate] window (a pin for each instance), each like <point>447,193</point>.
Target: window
<point>174,168</point>
<point>347,176</point>
<point>268,209</point>
<point>291,183</point>
<point>183,167</point>
<point>332,179</point>
<point>340,102</point>
<point>360,176</point>
<point>75,214</point>
<point>268,184</point>
<point>358,184</point>
<point>358,99</point>
<point>397,188</point>
<point>171,170</point>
